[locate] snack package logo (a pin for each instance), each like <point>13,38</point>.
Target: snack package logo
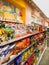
<point>8,12</point>
<point>5,6</point>
<point>9,16</point>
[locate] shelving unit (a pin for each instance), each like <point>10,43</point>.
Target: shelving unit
<point>3,44</point>
<point>13,40</point>
<point>19,54</point>
<point>24,51</point>
<point>40,57</point>
<point>35,39</point>
<point>27,58</point>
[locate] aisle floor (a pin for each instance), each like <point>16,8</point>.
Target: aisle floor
<point>45,58</point>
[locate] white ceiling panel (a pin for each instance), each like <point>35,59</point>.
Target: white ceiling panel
<point>43,5</point>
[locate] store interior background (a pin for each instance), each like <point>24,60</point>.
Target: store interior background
<point>29,9</point>
<point>43,7</point>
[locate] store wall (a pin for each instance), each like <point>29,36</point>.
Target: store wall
<point>29,18</point>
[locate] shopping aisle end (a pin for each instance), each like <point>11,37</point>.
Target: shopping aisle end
<point>45,58</point>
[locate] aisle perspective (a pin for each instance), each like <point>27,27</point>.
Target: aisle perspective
<point>20,44</point>
<point>34,43</point>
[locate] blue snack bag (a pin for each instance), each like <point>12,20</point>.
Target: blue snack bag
<point>17,61</point>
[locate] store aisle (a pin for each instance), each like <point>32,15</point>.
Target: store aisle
<point>45,58</point>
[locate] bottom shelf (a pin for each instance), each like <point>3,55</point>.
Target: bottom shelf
<point>40,57</point>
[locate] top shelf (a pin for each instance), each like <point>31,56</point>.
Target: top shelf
<point>39,24</point>
<point>17,39</point>
<point>9,20</point>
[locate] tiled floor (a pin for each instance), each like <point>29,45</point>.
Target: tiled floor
<point>45,58</point>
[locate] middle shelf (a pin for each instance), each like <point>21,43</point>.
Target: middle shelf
<point>19,38</point>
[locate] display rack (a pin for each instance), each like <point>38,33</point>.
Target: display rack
<point>13,40</point>
<point>25,50</point>
<point>22,52</point>
<point>17,39</point>
<point>39,59</point>
<point>21,4</point>
<point>27,58</point>
<point>38,24</point>
<point>21,38</point>
<point>18,54</point>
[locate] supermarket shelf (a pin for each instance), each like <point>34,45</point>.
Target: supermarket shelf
<point>38,59</point>
<point>17,39</point>
<point>38,23</point>
<point>6,21</point>
<point>3,20</point>
<point>18,55</point>
<point>13,40</point>
<point>27,58</point>
<point>40,56</point>
<point>10,21</point>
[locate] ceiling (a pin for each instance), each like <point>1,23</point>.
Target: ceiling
<point>43,5</point>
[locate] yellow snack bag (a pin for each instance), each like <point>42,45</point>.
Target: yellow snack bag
<point>0,31</point>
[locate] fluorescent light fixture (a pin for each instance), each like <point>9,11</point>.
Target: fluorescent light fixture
<point>43,5</point>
